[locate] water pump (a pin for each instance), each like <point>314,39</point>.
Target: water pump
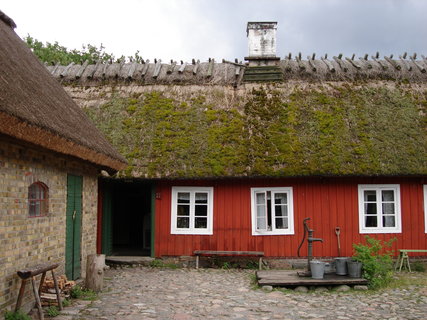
<point>310,240</point>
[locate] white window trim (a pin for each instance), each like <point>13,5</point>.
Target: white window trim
<point>204,231</point>
<point>425,208</point>
<point>290,229</point>
<point>376,187</point>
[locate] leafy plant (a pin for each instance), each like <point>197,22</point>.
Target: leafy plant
<point>160,264</point>
<point>376,259</point>
<point>419,266</point>
<point>16,315</point>
<point>52,311</point>
<point>78,292</point>
<point>66,303</point>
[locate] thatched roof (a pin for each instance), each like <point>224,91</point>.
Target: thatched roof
<point>35,108</point>
<point>300,128</point>
<point>407,68</point>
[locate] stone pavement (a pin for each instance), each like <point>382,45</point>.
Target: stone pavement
<point>183,294</point>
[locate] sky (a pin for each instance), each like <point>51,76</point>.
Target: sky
<point>202,29</point>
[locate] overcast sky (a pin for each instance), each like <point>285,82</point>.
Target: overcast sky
<point>186,29</point>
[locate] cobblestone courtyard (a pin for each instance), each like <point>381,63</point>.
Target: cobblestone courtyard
<point>152,293</point>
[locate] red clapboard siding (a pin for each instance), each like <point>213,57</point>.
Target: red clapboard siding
<point>329,202</point>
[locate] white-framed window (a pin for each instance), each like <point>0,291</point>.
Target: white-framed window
<point>425,208</point>
<point>192,210</point>
<point>272,211</point>
<point>379,208</point>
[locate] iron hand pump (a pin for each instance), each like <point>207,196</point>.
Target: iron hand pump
<point>310,241</point>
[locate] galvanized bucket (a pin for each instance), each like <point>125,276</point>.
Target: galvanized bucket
<point>341,266</point>
<point>317,269</point>
<point>354,269</point>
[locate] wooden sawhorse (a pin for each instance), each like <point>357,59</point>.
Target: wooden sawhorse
<point>32,273</point>
<point>403,259</point>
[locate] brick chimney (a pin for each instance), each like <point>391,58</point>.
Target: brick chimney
<point>262,43</point>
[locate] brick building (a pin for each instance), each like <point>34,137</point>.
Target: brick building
<point>50,159</point>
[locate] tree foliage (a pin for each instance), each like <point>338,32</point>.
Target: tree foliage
<point>54,53</point>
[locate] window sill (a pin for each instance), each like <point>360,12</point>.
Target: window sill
<point>192,232</point>
<point>273,233</point>
<point>373,231</point>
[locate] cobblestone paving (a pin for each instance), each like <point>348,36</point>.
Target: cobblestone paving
<point>181,294</point>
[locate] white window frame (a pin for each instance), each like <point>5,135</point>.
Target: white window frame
<point>425,208</point>
<point>192,230</point>
<point>378,188</point>
<point>290,229</point>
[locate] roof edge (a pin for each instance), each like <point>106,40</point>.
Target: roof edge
<point>22,130</point>
<point>6,19</point>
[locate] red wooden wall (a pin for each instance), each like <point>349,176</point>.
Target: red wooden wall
<point>329,202</point>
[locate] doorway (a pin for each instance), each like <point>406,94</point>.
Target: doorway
<point>126,217</point>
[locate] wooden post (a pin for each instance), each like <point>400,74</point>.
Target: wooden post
<point>95,272</point>
<point>21,295</point>
<point>36,295</point>
<point>58,295</point>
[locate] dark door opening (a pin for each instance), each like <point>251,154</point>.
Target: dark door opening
<point>126,218</point>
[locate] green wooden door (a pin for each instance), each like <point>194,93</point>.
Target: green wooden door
<point>73,226</point>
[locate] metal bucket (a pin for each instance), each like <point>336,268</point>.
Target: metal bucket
<point>354,269</point>
<point>317,269</point>
<point>341,266</point>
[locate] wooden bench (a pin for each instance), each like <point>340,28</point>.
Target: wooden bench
<point>199,253</point>
<point>404,258</point>
<point>32,273</point>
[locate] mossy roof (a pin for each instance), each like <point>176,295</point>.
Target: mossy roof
<point>335,129</point>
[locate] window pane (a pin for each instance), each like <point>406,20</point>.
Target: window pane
<point>280,198</point>
<point>201,197</point>
<point>183,222</point>
<point>260,224</point>
<point>388,208</point>
<point>371,221</point>
<point>260,211</point>
<point>260,198</point>
<point>183,197</point>
<point>389,221</point>
<point>281,223</point>
<point>281,211</point>
<point>201,210</point>
<point>387,195</point>
<point>370,195</point>
<point>32,208</point>
<point>201,223</point>
<point>183,210</point>
<point>370,208</point>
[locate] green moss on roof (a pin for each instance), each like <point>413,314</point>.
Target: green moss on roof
<point>343,130</point>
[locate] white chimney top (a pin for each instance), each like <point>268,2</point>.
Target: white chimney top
<point>262,39</point>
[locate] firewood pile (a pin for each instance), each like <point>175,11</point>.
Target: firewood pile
<point>48,293</point>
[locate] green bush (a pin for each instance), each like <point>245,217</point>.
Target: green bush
<point>376,258</point>
<point>16,315</point>
<point>418,266</point>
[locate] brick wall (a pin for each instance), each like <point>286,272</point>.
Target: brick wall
<point>26,241</point>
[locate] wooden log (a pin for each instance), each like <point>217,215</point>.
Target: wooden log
<point>340,63</point>
<point>104,70</point>
<point>196,67</point>
<point>145,69</point>
<point>237,72</point>
<point>366,62</point>
<point>210,68</point>
<point>58,294</point>
<point>393,63</point>
<point>131,70</point>
<point>182,67</point>
<point>90,76</point>
<point>27,273</point>
<point>419,66</point>
<point>328,64</point>
<point>299,61</point>
<point>171,67</point>
<point>42,281</point>
<point>157,69</point>
<point>82,69</point>
<point>95,272</point>
<point>21,294</point>
<point>55,68</point>
<point>231,62</point>
<point>287,64</point>
<point>36,295</point>
<point>405,63</point>
<point>311,63</point>
<point>65,71</point>
<point>354,63</point>
<point>381,63</point>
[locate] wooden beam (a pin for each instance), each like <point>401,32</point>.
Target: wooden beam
<point>91,75</point>
<point>405,63</point>
<point>157,68</point>
<point>131,70</point>
<point>393,63</point>
<point>65,71</point>
<point>299,61</point>
<point>328,64</point>
<point>354,63</point>
<point>311,63</point>
<point>196,67</point>
<point>171,68</point>
<point>82,69</point>
<point>104,70</point>
<point>340,63</point>
<point>55,68</point>
<point>365,62</point>
<point>145,69</point>
<point>419,66</point>
<point>231,62</point>
<point>210,68</point>
<point>287,61</point>
<point>27,273</point>
<point>382,64</point>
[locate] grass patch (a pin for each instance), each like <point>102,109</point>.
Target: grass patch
<point>161,264</point>
<point>52,311</point>
<point>16,315</point>
<point>78,292</point>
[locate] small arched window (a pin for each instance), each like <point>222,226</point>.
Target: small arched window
<point>38,195</point>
